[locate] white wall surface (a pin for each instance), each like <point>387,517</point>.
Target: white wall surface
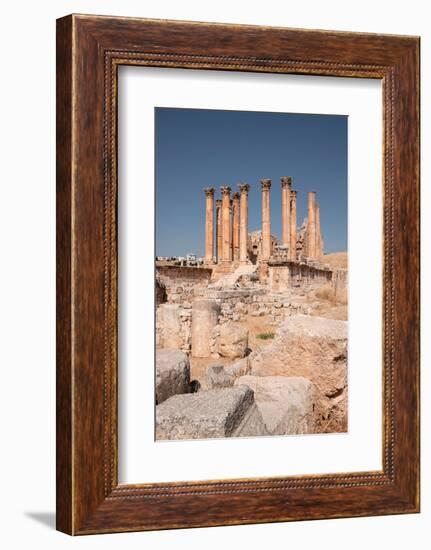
<point>27,273</point>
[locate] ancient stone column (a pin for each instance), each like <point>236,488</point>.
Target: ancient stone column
<point>209,225</point>
<point>319,241</point>
<point>286,183</point>
<point>226,225</point>
<point>311,226</point>
<point>204,318</point>
<point>235,224</point>
<point>266,220</point>
<point>293,194</point>
<point>243,222</point>
<point>218,229</point>
<point>231,230</point>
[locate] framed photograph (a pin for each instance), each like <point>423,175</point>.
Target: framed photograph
<point>237,274</point>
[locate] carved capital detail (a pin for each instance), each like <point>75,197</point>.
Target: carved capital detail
<point>225,190</point>
<point>266,184</point>
<point>286,180</point>
<point>209,191</point>
<point>244,188</point>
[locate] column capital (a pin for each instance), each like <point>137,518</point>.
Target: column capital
<point>293,193</point>
<point>225,190</point>
<point>286,180</point>
<point>235,196</point>
<point>244,187</point>
<point>209,191</point>
<point>265,183</point>
<point>218,203</point>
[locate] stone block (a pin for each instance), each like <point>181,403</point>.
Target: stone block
<point>172,373</point>
<point>169,321</point>
<point>233,341</point>
<point>286,403</point>
<point>239,368</point>
<point>228,412</point>
<point>314,348</point>
<point>217,377</point>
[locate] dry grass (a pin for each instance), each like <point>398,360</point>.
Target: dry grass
<point>326,292</point>
<point>328,304</point>
<point>336,259</point>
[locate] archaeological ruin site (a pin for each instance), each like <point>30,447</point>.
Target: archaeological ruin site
<point>253,341</point>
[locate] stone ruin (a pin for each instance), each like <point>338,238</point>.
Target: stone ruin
<point>295,384</point>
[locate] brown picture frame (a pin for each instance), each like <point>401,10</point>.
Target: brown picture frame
<point>89,51</point>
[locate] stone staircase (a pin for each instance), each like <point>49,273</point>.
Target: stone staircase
<point>230,279</point>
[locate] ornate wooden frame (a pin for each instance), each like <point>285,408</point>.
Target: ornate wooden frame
<point>89,51</point>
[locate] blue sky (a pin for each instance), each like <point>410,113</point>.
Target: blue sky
<point>198,148</point>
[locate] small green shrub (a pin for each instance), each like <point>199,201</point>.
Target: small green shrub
<point>266,335</point>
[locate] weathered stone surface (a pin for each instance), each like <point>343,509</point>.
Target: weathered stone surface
<point>217,377</point>
<point>286,403</point>
<point>314,348</point>
<point>204,318</point>
<point>168,317</point>
<point>228,412</point>
<point>239,368</point>
<point>172,373</point>
<point>233,340</point>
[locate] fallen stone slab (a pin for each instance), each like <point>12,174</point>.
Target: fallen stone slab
<point>314,348</point>
<point>286,403</point>
<point>227,412</point>
<point>172,373</point>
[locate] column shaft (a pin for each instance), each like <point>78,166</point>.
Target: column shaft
<point>319,242</point>
<point>286,183</point>
<point>243,223</point>
<point>266,220</point>
<point>226,225</point>
<point>235,222</point>
<point>293,225</point>
<point>219,230</point>
<point>311,226</point>
<point>209,225</point>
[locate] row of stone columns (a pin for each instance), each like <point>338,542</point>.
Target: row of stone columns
<point>288,217</point>
<point>232,222</point>
<point>231,225</point>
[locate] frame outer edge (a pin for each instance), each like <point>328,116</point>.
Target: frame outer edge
<point>64,367</point>
<point>81,508</point>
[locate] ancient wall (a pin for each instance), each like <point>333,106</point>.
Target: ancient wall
<point>284,275</point>
<point>182,284</point>
<point>236,305</point>
<point>173,326</point>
